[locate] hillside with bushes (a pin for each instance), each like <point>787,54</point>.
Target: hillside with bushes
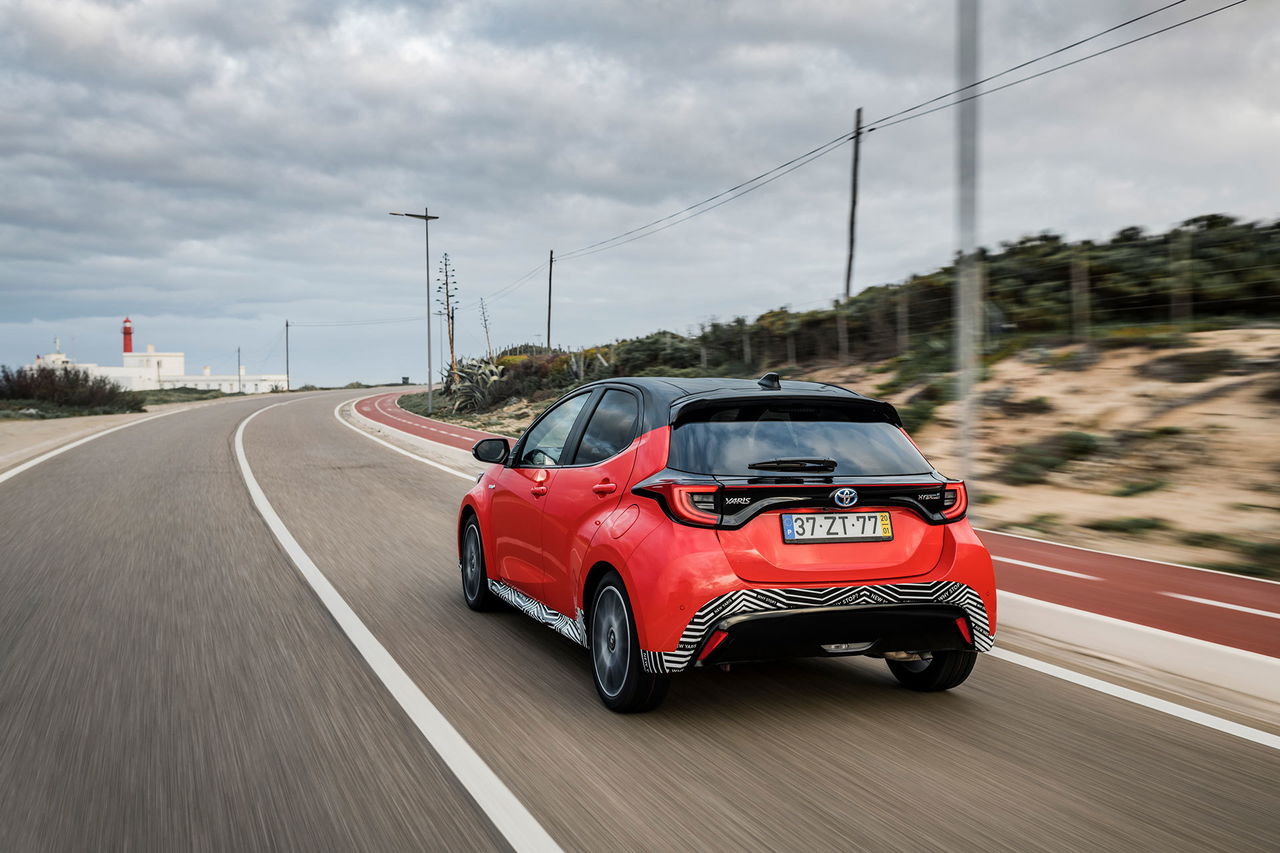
<point>1151,430</point>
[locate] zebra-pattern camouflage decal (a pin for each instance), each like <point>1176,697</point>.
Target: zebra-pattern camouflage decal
<point>760,600</point>
<point>573,629</point>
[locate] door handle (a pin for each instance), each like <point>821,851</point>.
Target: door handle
<point>538,491</point>
<point>604,488</point>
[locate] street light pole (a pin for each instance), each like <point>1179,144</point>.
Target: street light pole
<point>426,218</point>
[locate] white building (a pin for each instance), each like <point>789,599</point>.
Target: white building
<point>151,370</point>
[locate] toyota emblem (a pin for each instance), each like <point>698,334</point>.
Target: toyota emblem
<point>844,497</point>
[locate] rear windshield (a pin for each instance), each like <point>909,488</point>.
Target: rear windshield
<point>728,440</point>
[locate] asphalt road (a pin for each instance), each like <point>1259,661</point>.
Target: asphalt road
<point>168,681</point>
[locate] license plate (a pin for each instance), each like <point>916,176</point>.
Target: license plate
<point>837,527</point>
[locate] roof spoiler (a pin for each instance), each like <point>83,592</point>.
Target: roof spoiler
<point>682,409</point>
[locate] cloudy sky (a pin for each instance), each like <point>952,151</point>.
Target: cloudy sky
<point>213,168</point>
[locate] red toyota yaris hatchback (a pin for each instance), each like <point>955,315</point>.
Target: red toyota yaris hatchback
<point>672,523</point>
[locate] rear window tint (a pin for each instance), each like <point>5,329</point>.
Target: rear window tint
<point>728,440</point>
<point>611,428</point>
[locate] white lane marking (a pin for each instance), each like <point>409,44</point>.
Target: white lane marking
<point>1163,706</point>
<point>31,463</point>
<point>1222,604</point>
<point>1129,556</point>
<point>1080,575</point>
<point>337,413</point>
<point>494,798</point>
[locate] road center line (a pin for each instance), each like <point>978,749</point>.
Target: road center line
<point>337,413</point>
<point>1213,603</point>
<point>494,798</point>
<point>1056,571</point>
<point>1163,706</point>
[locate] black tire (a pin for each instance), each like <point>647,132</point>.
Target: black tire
<point>620,680</point>
<point>475,580</point>
<point>944,671</point>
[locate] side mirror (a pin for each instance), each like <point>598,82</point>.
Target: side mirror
<point>491,450</point>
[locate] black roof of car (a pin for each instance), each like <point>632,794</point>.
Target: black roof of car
<point>667,396</point>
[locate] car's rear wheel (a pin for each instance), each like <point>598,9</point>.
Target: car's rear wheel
<point>942,671</point>
<point>620,679</point>
<point>475,580</point>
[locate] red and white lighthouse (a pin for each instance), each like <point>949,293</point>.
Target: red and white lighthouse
<point>127,329</point>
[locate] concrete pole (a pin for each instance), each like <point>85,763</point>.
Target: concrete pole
<point>1180,301</point>
<point>1080,297</point>
<point>431,370</point>
<point>967,297</point>
<point>904,331</point>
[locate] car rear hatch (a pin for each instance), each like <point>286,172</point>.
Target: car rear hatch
<point>814,490</point>
<point>889,539</point>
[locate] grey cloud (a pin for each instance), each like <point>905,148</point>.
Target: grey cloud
<point>200,163</point>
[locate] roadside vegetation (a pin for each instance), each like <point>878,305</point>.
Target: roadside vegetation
<point>905,328</point>
<point>1113,438</point>
<point>60,392</point>
<point>183,395</point>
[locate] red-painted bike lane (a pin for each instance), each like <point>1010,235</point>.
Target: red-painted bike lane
<point>1230,610</point>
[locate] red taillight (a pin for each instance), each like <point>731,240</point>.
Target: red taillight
<point>692,504</point>
<point>717,637</point>
<point>955,500</point>
<point>963,624</point>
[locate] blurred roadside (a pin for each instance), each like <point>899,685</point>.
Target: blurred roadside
<point>1148,442</point>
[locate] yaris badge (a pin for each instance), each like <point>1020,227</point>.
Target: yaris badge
<point>844,497</point>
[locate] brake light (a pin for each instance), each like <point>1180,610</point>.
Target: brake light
<point>689,503</point>
<point>955,500</point>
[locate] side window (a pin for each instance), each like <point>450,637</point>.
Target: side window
<point>611,429</point>
<point>546,441</point>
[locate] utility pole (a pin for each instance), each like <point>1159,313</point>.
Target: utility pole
<point>853,202</point>
<point>842,322</point>
<point>484,321</point>
<point>904,332</point>
<point>551,262</point>
<point>426,218</point>
<point>239,374</point>
<point>1080,296</point>
<point>842,331</point>
<point>967,296</point>
<point>286,356</point>
<point>1180,296</point>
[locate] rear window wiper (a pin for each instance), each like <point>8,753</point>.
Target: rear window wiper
<point>796,463</point>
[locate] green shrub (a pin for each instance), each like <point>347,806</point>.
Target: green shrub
<point>1194,366</point>
<point>1032,462</point>
<point>1139,488</point>
<point>1200,539</point>
<point>921,405</point>
<point>67,390</point>
<point>1138,526</point>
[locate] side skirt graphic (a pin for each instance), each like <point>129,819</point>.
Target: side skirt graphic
<point>574,629</point>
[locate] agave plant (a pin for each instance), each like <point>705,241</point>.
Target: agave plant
<point>474,389</point>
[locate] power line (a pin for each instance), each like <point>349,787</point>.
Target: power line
<point>1058,67</point>
<point>1022,65</point>
<point>791,165</point>
<point>363,322</point>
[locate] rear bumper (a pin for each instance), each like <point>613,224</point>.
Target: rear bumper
<point>771,623</point>
<point>835,632</point>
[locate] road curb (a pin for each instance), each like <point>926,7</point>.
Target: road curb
<point>1243,671</point>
